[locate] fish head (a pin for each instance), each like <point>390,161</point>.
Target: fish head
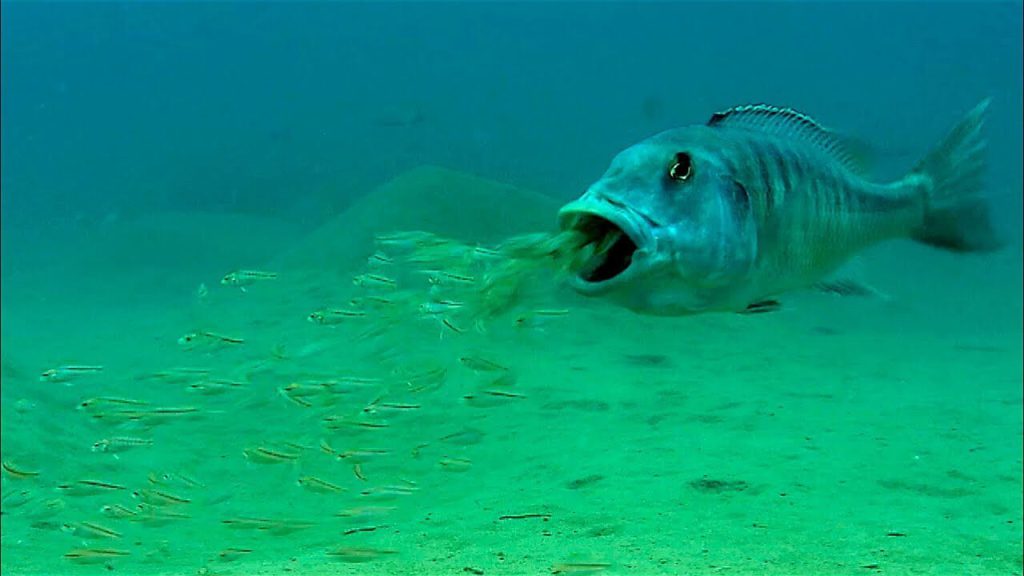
<point>667,229</point>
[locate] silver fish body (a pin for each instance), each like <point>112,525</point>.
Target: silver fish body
<point>758,202</point>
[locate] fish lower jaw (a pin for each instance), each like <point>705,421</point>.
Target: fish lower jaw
<point>589,288</point>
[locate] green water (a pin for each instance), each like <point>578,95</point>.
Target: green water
<point>837,436</point>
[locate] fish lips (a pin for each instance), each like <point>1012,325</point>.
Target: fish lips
<point>622,237</point>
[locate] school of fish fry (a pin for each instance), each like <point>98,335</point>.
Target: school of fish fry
<point>358,413</point>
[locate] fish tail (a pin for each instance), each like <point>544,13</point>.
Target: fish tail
<point>956,216</point>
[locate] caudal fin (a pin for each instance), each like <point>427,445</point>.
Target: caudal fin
<point>956,216</point>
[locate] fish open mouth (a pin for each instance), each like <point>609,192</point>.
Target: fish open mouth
<point>606,249</point>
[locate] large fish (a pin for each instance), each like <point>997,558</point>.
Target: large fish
<point>761,200</point>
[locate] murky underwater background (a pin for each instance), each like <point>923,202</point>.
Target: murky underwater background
<point>368,407</point>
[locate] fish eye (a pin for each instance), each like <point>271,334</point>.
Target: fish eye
<point>681,168</point>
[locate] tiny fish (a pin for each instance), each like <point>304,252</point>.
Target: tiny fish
<point>389,492</point>
<point>245,523</point>
<point>90,530</point>
<point>120,444</point>
<point>331,316</point>
<point>232,554</point>
<point>89,488</point>
<point>379,260</point>
<point>353,423</point>
<point>442,278</point>
<point>377,406</point>
<point>176,375</point>
<point>439,307</point>
<point>173,479</point>
<point>490,398</point>
<point>17,472</point>
<point>364,512</point>
<point>373,302</point>
<point>214,387</point>
<point>539,319</point>
<point>362,456</point>
<point>261,455</point>
<point>94,555</point>
<point>455,464</point>
<point>243,278</point>
<point>579,567</point>
<point>153,516</point>
<point>479,363</point>
<point>269,525</point>
<point>354,555</point>
<point>318,485</point>
<point>375,281</point>
<point>159,497</point>
<point>66,374</point>
<point>364,529</point>
<point>108,401</point>
<point>194,340</point>
<point>118,512</point>
<point>407,240</point>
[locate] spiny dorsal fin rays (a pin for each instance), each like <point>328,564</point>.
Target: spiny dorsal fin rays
<point>788,123</point>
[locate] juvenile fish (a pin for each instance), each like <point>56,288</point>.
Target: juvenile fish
<point>579,568</point>
<point>101,402</point>
<point>362,456</point>
<point>262,455</point>
<point>90,530</point>
<point>194,340</point>
<point>89,488</point>
<point>269,525</point>
<point>243,278</point>
<point>155,497</point>
<point>215,387</point>
<point>232,554</point>
<point>18,473</point>
<point>539,319</point>
<point>390,492</point>
<point>176,375</point>
<point>491,398</point>
<point>67,374</point>
<point>95,555</point>
<point>376,281</point>
<point>173,479</point>
<point>354,555</point>
<point>366,512</point>
<point>120,444</point>
<point>319,485</point>
<point>478,363</point>
<point>455,464</point>
<point>332,316</point>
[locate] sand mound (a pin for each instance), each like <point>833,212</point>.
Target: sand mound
<point>438,200</point>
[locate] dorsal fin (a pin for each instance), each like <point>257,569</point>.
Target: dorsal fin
<point>788,123</point>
